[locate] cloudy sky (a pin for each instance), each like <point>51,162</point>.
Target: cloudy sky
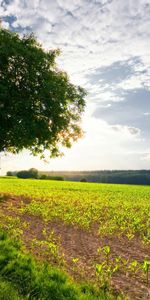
<point>105,48</point>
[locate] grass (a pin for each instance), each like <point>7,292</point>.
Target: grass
<point>8,291</point>
<point>21,277</point>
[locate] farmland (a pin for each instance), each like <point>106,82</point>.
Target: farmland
<point>99,233</point>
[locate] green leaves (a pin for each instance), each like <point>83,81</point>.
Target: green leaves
<point>145,268</point>
<point>40,108</point>
<point>112,207</point>
<point>106,250</point>
<point>146,265</point>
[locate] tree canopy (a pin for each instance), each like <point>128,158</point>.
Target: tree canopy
<point>31,173</point>
<point>40,109</point>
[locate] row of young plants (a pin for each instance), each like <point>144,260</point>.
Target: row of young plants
<point>109,266</point>
<point>22,278</point>
<point>117,209</point>
<point>106,265</point>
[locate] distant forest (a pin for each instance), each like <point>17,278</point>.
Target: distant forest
<point>116,176</point>
<point>141,177</point>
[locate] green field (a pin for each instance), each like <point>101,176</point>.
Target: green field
<point>98,233</point>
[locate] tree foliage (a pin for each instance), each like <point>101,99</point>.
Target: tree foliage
<point>83,180</point>
<point>106,176</point>
<point>46,177</point>
<point>31,173</point>
<point>40,109</point>
<point>9,173</point>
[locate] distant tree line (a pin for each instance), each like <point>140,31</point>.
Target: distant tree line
<point>34,174</point>
<point>44,176</point>
<point>141,177</point>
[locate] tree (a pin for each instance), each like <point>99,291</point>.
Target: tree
<point>40,109</point>
<point>83,180</point>
<point>9,173</point>
<point>31,173</point>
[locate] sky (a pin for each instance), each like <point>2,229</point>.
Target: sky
<point>105,48</point>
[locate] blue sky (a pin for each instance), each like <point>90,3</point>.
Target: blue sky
<point>105,48</point>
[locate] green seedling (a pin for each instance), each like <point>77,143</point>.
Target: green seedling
<point>133,267</point>
<point>75,260</point>
<point>145,268</point>
<point>106,251</point>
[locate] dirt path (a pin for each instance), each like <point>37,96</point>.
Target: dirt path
<point>77,243</point>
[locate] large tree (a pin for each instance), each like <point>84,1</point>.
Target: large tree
<point>39,108</point>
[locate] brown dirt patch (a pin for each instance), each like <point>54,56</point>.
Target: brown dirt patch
<point>78,243</point>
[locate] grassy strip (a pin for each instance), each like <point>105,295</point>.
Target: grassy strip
<point>8,292</point>
<point>22,278</point>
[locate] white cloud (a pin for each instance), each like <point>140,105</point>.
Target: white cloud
<point>93,34</point>
<point>100,148</point>
<point>145,157</point>
<point>109,32</point>
<point>126,129</point>
<point>5,25</point>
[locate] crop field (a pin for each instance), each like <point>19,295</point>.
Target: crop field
<point>97,233</point>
